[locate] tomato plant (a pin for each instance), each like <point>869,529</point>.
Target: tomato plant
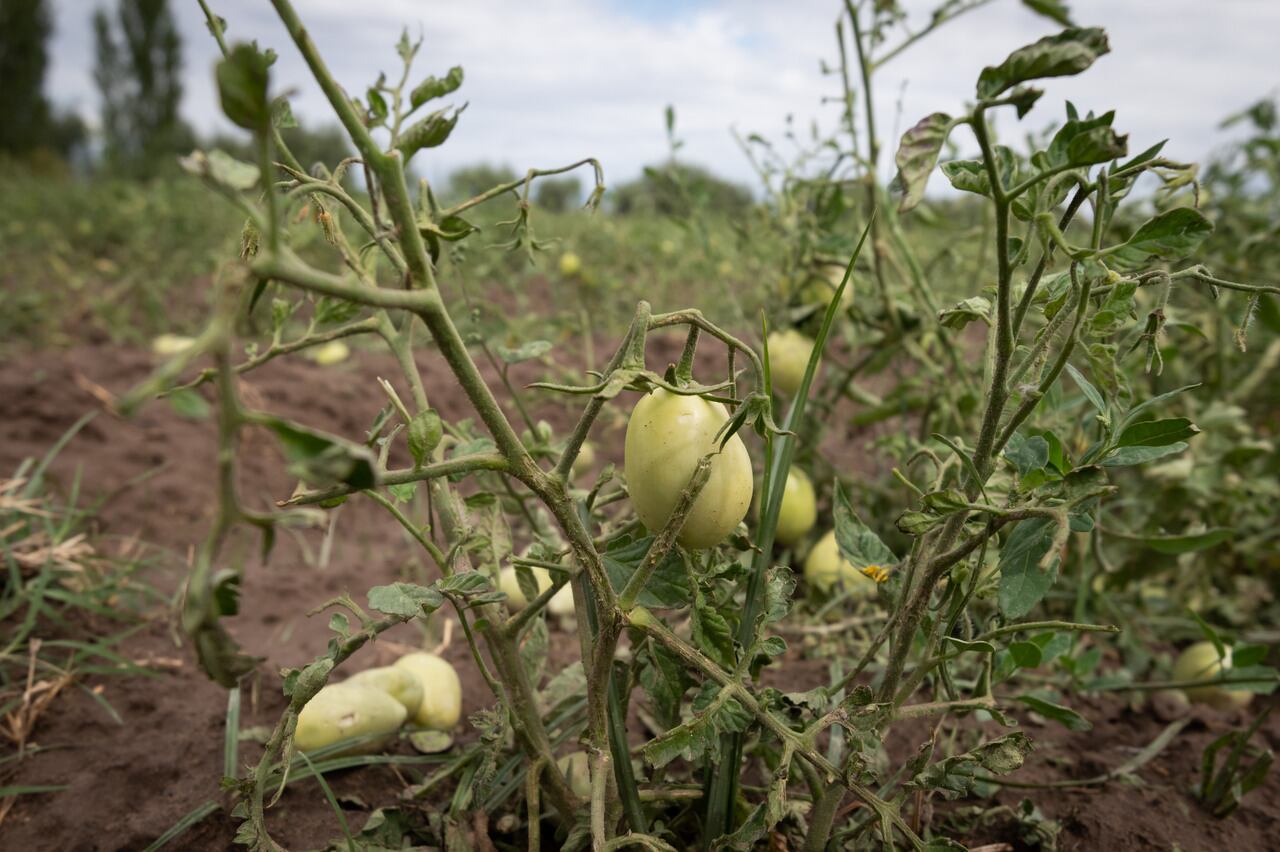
<point>1007,471</point>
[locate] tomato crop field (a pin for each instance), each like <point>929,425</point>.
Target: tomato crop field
<point>920,496</point>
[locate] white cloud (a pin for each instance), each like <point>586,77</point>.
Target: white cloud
<point>553,81</point>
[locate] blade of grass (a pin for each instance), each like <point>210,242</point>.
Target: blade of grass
<point>724,772</point>
<point>333,803</point>
<point>182,826</point>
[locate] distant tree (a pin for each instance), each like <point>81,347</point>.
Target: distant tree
<point>29,123</point>
<point>139,75</point>
<point>677,189</point>
<point>557,194</point>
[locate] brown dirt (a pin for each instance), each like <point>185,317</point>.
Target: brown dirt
<point>127,784</point>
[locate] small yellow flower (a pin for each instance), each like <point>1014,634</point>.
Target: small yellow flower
<point>876,572</point>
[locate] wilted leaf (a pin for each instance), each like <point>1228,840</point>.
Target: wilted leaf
<point>405,599</point>
<point>436,87</point>
<point>1069,52</point>
<point>918,155</point>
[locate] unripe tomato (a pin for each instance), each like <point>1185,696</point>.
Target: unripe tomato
<point>170,344</point>
<point>509,584</point>
<point>1200,662</point>
<point>328,354</point>
<point>825,568</point>
<point>788,357</point>
<point>570,264</point>
<point>821,289</point>
<point>586,458</point>
<point>577,771</point>
<point>397,682</point>
<point>342,710</point>
<point>441,705</point>
<point>561,603</point>
<point>666,437</point>
<point>799,510</point>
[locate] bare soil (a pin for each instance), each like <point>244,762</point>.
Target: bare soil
<point>126,784</point>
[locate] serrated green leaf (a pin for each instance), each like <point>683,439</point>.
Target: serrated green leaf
<point>1169,235</point>
<point>666,589</point>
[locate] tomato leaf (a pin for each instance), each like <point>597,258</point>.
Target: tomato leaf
<point>405,599</point>
<point>666,589</point>
<point>1072,720</point>
<point>1022,581</point>
<point>1069,52</point>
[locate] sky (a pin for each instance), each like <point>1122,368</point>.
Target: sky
<point>553,81</point>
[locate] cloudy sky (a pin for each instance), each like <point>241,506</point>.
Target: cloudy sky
<point>555,80</point>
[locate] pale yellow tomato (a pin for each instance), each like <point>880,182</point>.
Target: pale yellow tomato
<point>328,354</point>
<point>397,682</point>
<point>585,461</point>
<point>825,569</point>
<point>820,289</point>
<point>570,264</point>
<point>1201,662</point>
<point>666,437</point>
<point>167,345</point>
<point>441,705</point>
<point>561,603</point>
<point>798,511</point>
<point>577,771</point>
<point>509,584</point>
<point>343,710</point>
<point>788,357</point>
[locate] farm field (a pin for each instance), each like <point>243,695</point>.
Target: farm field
<point>833,513</point>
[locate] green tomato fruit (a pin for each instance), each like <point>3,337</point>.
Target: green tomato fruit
<point>799,510</point>
<point>1200,662</point>
<point>577,771</point>
<point>441,705</point>
<point>343,710</point>
<point>399,683</point>
<point>570,264</point>
<point>509,584</point>
<point>666,437</point>
<point>788,357</point>
<point>825,568</point>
